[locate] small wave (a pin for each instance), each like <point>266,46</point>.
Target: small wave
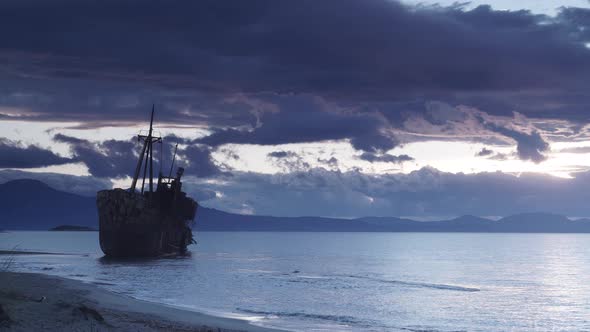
<point>418,329</point>
<point>331,318</point>
<point>422,329</point>
<point>312,279</point>
<point>420,284</point>
<point>258,271</point>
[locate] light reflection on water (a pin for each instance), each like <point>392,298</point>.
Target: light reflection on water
<point>348,281</point>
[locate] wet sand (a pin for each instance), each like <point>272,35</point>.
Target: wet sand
<point>20,252</point>
<point>37,302</point>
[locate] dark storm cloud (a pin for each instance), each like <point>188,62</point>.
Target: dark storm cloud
<point>96,103</point>
<point>15,155</point>
<point>484,152</point>
<point>577,20</point>
<point>280,154</point>
<point>346,50</point>
<point>112,158</point>
<point>387,158</point>
<point>501,156</point>
<point>305,128</point>
<point>289,161</point>
<point>198,161</point>
<point>529,146</point>
<point>307,45</point>
<point>304,119</point>
<point>490,154</point>
<point>461,123</point>
<point>332,161</point>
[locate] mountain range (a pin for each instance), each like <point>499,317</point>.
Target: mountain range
<point>33,205</point>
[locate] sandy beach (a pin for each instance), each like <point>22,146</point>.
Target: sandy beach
<point>36,302</point>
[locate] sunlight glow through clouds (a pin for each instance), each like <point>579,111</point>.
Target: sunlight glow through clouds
<point>36,133</point>
<point>548,7</point>
<point>41,133</point>
<point>453,157</point>
<point>447,156</point>
<point>77,169</point>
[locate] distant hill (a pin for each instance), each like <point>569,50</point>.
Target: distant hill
<point>33,205</point>
<point>214,220</point>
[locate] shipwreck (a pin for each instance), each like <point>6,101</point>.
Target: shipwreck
<point>147,222</point>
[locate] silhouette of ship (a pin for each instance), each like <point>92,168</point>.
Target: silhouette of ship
<point>146,223</point>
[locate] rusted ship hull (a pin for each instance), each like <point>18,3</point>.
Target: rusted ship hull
<point>141,222</point>
<point>132,225</point>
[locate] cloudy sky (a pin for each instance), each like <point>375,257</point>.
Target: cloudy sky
<point>334,108</point>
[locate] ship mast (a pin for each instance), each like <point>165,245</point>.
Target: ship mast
<point>173,159</point>
<point>147,151</point>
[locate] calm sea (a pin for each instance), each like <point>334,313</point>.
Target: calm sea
<point>348,281</point>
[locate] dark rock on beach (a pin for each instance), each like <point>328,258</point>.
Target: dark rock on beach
<point>4,318</point>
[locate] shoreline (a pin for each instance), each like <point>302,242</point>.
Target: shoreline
<point>23,252</point>
<point>34,302</point>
